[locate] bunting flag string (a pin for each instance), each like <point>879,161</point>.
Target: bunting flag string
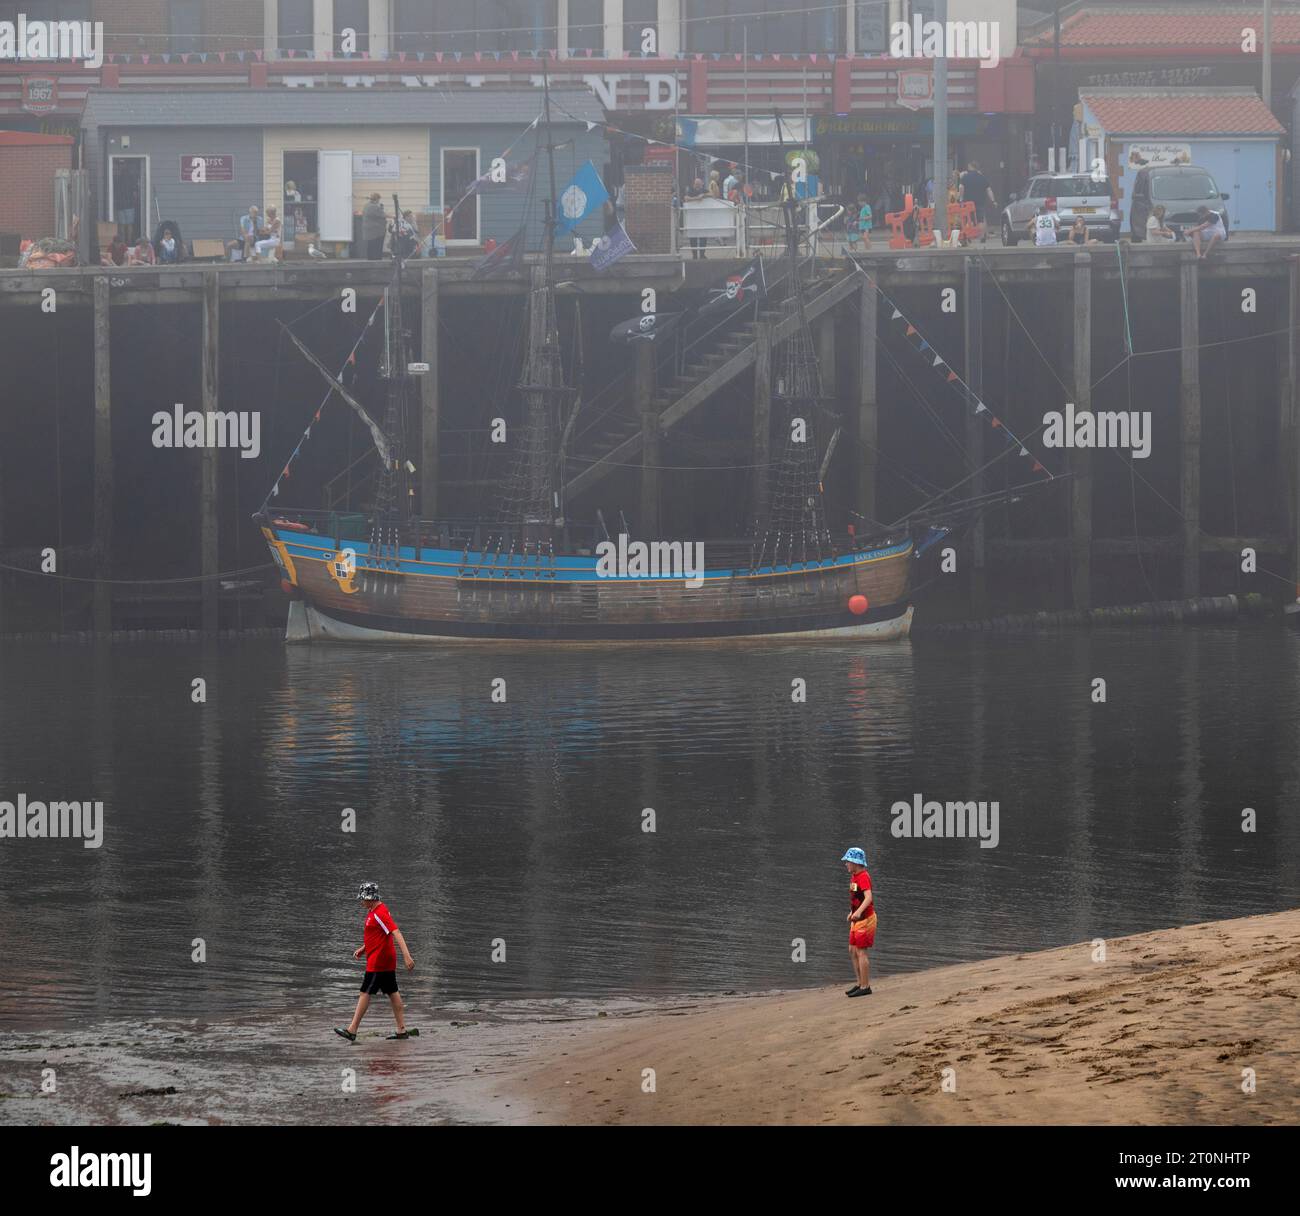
<point>918,342</point>
<point>287,471</point>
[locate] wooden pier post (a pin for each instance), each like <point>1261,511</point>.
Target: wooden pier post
<point>209,468</point>
<point>868,413</point>
<point>103,460</point>
<point>973,341</point>
<point>429,396</point>
<point>1288,424</point>
<point>762,416</point>
<point>644,388</point>
<point>1080,462</point>
<point>1190,428</point>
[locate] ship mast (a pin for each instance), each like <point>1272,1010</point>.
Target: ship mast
<point>538,507</point>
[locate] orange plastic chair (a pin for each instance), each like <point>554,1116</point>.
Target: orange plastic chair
<point>924,226</point>
<point>896,220</point>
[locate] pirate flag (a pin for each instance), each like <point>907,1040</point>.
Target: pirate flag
<point>645,328</point>
<point>739,289</point>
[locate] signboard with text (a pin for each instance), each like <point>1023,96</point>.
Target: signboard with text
<point>40,94</point>
<point>381,166</point>
<point>203,169</point>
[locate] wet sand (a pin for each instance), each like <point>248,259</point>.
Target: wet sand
<point>1158,1033</point>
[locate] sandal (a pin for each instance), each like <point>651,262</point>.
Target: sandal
<point>345,1034</point>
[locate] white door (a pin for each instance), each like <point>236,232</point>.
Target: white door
<point>334,190</point>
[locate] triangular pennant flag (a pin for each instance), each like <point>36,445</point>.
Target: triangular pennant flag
<point>896,315</point>
<point>937,362</point>
<point>144,58</point>
<point>1024,451</point>
<point>951,377</point>
<point>316,416</point>
<point>911,329</point>
<point>924,345</point>
<point>1038,468</point>
<point>591,126</point>
<point>981,408</point>
<point>275,489</point>
<point>996,421</point>
<point>166,57</point>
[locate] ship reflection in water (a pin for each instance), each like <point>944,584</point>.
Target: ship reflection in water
<point>523,818</point>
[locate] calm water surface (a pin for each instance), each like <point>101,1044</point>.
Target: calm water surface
<point>523,820</point>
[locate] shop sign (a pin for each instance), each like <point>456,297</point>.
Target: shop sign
<point>381,166</point>
<point>40,94</point>
<point>202,170</point>
<point>915,89</point>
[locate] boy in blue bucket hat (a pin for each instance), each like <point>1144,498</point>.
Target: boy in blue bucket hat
<point>862,920</point>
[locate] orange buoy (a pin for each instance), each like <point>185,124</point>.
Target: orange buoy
<point>858,604</point>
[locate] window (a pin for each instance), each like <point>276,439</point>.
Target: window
<point>764,26</point>
<point>873,27</point>
<point>586,25</point>
<point>186,26</point>
<point>639,15</point>
<point>476,25</point>
<point>352,15</point>
<point>295,25</point>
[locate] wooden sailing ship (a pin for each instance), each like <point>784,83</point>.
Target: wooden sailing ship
<point>533,575</point>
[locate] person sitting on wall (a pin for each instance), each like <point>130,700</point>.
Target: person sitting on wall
<point>1078,233</point>
<point>267,246</point>
<point>169,248</point>
<point>115,254</point>
<point>1208,224</point>
<point>250,229</point>
<point>141,253</point>
<point>1157,231</point>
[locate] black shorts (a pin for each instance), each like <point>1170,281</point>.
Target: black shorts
<point>380,981</point>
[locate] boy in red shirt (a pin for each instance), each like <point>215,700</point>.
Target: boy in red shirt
<point>862,920</point>
<point>380,933</point>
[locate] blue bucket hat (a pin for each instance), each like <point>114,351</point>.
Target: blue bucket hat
<point>855,855</point>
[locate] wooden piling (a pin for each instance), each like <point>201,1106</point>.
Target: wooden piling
<point>208,480</point>
<point>868,412</point>
<point>429,396</point>
<point>1190,416</point>
<point>103,461</point>
<point>1288,423</point>
<point>762,415</point>
<point>644,389</point>
<point>1081,459</point>
<point>973,342</point>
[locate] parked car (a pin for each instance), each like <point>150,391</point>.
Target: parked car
<point>1075,194</point>
<point>1182,189</point>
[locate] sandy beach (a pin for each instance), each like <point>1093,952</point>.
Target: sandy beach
<point>1158,1033</point>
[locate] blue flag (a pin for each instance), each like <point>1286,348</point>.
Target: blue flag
<point>580,198</point>
<point>609,248</point>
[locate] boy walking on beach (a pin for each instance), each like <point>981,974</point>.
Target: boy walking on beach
<point>862,920</point>
<point>382,939</point>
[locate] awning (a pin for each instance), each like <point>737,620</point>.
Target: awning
<point>730,132</point>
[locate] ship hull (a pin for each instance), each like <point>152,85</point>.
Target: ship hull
<point>435,595</point>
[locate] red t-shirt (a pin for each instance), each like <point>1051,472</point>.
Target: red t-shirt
<point>381,953</point>
<point>859,885</point>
